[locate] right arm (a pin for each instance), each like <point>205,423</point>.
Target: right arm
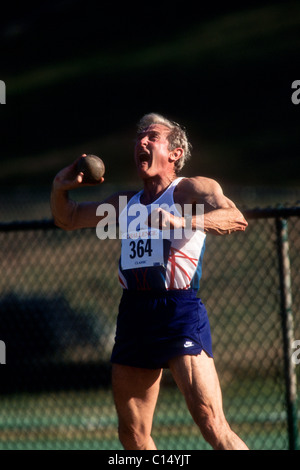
<point>69,214</point>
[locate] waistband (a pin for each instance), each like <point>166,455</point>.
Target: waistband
<point>187,293</point>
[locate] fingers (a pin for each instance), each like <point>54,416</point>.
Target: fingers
<point>155,218</point>
<point>96,183</point>
<point>80,175</point>
<point>164,220</point>
<point>70,177</point>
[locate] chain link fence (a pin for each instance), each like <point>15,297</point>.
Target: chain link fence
<point>59,297</point>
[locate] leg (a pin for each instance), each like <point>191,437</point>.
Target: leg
<point>135,393</point>
<point>197,379</point>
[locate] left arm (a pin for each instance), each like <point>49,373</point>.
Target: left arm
<point>223,221</point>
<point>221,215</point>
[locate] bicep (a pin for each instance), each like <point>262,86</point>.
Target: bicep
<point>220,201</point>
<point>209,192</point>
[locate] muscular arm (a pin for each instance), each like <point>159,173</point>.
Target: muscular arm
<point>221,215</point>
<point>71,215</point>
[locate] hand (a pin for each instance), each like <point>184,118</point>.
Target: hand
<point>70,178</point>
<point>163,220</point>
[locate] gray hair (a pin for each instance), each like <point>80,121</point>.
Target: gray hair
<point>177,136</point>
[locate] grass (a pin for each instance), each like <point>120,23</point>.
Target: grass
<point>87,420</point>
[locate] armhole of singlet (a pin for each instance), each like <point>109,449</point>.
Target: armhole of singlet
<point>137,195</point>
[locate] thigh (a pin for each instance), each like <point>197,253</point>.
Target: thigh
<point>197,379</point>
<point>135,393</point>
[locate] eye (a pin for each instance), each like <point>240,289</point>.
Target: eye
<point>153,136</point>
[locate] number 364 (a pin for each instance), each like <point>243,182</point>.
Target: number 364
<point>140,248</point>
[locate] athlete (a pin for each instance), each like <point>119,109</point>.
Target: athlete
<point>161,321</point>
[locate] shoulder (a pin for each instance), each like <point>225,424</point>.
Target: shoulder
<point>115,198</point>
<point>118,200</point>
<point>198,187</point>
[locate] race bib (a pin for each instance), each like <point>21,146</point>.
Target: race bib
<point>142,249</point>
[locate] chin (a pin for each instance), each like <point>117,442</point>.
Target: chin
<point>144,174</point>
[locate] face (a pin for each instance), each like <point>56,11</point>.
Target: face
<point>152,155</point>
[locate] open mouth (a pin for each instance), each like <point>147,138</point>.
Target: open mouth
<point>143,157</point>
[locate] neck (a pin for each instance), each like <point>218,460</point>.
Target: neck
<point>154,187</point>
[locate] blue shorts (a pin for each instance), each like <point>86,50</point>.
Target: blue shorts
<point>153,328</point>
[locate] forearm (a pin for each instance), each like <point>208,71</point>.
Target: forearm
<point>218,221</point>
<point>62,208</point>
<point>223,221</point>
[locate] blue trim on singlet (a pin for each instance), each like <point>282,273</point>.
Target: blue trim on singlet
<point>195,282</point>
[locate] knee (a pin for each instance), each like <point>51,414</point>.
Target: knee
<point>213,427</point>
<point>133,438</point>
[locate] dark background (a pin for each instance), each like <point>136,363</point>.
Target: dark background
<point>80,74</point>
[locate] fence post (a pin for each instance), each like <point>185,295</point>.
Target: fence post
<point>287,330</point>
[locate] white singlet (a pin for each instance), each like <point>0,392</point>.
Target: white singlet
<point>150,260</point>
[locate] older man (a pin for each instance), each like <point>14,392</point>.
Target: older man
<point>161,321</point>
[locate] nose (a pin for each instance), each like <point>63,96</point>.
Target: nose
<point>144,141</point>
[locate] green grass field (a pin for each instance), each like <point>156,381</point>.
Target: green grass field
<point>87,420</point>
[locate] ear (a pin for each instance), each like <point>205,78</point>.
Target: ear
<point>176,154</point>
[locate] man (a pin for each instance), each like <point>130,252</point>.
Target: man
<point>161,322</point>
